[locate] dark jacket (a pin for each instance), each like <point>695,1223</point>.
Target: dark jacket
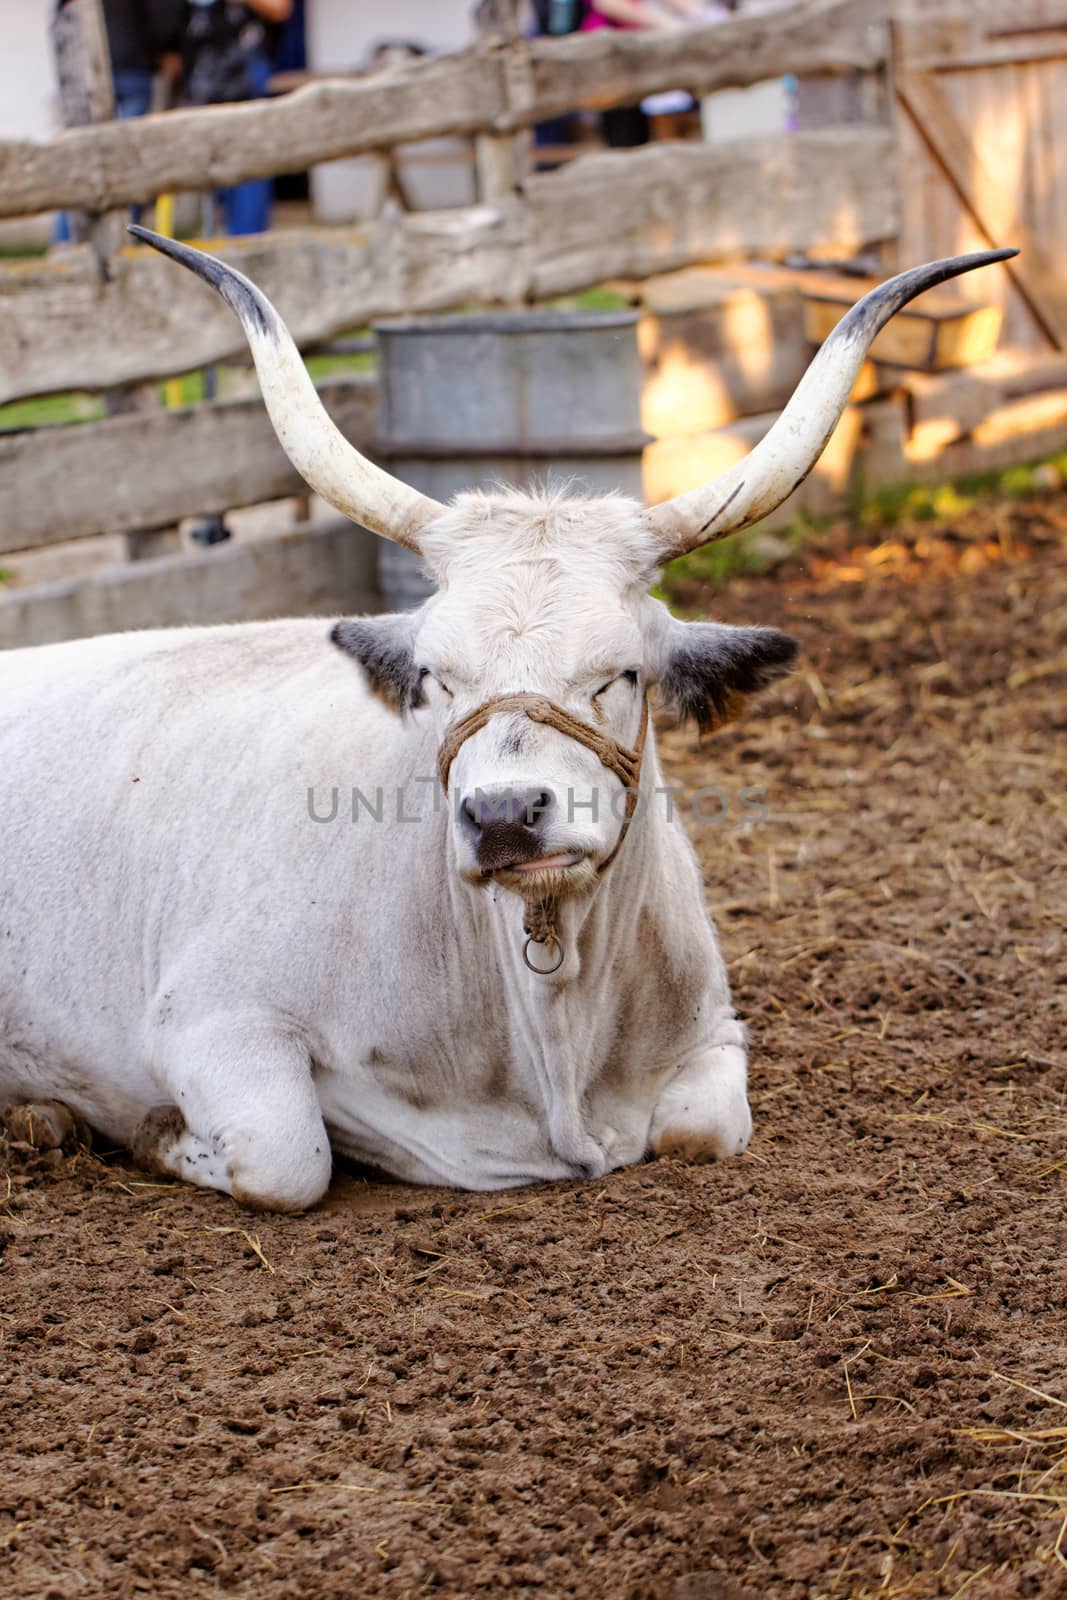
<point>140,31</point>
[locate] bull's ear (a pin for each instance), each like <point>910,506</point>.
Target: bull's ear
<point>384,648</point>
<point>708,669</point>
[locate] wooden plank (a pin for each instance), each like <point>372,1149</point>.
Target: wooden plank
<point>949,405</point>
<point>326,571</point>
<point>145,470</point>
<point>967,40</point>
<point>62,328</point>
<point>992,207</point>
<point>1007,439</point>
<point>995,53</point>
<point>674,205</point>
<point>476,91</point>
<point>613,214</point>
<point>611,68</point>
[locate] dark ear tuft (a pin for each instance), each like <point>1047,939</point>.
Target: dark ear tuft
<point>712,669</point>
<point>383,648</point>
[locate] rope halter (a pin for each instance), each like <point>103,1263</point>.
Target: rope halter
<point>539,920</point>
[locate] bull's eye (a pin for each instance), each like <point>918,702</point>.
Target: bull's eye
<point>630,676</point>
<point>424,673</point>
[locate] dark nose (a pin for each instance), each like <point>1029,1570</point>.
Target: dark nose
<point>505,824</point>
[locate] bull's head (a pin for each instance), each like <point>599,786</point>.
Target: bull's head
<point>547,596</point>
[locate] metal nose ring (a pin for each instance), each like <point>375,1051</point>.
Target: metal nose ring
<point>543,972</point>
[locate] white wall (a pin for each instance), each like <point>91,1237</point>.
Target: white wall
<point>28,106</point>
<point>339,36</point>
<point>339,32</point>
<point>27,92</point>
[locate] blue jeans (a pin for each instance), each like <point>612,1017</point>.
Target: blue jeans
<point>133,94</point>
<point>133,97</point>
<point>246,206</point>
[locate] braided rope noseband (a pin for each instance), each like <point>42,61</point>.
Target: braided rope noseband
<point>539,921</point>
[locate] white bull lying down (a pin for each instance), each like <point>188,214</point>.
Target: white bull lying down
<point>521,984</point>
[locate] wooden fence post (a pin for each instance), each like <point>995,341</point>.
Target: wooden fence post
<point>500,158</point>
<point>497,20</point>
<point>86,94</point>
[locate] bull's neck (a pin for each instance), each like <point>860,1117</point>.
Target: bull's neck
<point>562,1027</point>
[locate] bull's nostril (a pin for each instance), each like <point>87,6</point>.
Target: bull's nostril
<point>470,816</point>
<point>537,806</point>
<point>483,808</point>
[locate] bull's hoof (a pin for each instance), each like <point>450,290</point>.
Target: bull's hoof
<point>688,1144</point>
<point>45,1125</point>
<point>155,1136</point>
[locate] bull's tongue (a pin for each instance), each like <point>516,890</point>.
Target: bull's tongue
<point>565,858</point>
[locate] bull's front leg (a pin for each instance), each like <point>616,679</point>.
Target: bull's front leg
<point>241,1114</point>
<point>702,1113</point>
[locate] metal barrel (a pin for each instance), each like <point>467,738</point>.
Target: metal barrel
<point>514,398</point>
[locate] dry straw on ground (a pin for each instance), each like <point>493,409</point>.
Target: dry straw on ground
<point>835,1367</point>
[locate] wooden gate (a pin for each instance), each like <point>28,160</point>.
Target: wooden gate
<point>981,98</point>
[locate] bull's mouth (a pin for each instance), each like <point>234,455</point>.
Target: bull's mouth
<point>561,873</point>
<point>560,862</point>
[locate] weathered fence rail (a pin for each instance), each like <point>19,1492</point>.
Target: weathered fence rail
<point>322,570</point>
<point>105,165</point>
<point>607,215</point>
<point>148,469</point>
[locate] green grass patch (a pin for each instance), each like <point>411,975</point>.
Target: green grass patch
<point>49,410</point>
<point>341,366</point>
<point>883,508</point>
<point>596,299</point>
<point>746,554</point>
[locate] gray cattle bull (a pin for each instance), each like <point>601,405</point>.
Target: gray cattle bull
<point>520,983</point>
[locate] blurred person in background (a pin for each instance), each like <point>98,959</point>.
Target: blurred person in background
<point>143,39</point>
<point>627,126</point>
<point>228,56</point>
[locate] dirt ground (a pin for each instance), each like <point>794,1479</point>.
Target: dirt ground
<point>834,1367</point>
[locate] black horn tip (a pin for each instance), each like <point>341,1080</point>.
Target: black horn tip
<point>158,241</point>
<point>871,314</point>
<point>249,304</point>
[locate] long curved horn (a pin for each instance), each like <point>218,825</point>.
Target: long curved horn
<point>784,457</point>
<point>318,450</point>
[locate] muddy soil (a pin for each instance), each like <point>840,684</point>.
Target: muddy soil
<point>834,1367</point>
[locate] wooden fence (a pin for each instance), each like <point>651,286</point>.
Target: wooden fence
<point>101,321</point>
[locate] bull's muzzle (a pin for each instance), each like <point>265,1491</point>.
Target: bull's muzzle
<point>505,825</point>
